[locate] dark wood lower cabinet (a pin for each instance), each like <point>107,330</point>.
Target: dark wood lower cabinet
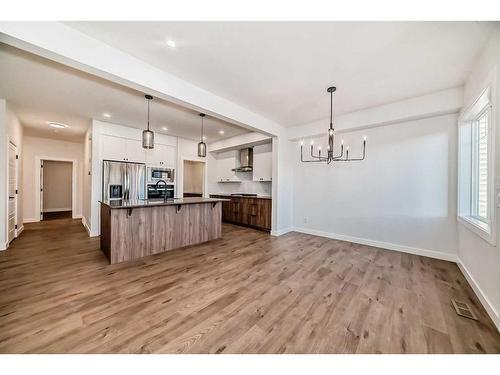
<point>252,212</point>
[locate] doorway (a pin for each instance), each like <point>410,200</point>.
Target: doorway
<point>194,172</point>
<point>56,192</point>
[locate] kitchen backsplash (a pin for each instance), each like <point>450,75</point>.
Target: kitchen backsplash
<point>247,185</point>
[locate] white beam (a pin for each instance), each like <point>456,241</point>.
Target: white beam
<point>435,104</point>
<point>59,42</point>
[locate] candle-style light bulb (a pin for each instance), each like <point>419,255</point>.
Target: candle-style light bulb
<point>301,143</point>
<point>342,142</point>
<point>364,138</point>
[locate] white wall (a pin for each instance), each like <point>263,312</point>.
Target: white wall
<point>479,260</point>
<point>403,195</point>
<point>34,147</point>
<point>87,178</point>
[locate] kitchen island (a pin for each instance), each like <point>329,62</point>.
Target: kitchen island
<point>132,229</point>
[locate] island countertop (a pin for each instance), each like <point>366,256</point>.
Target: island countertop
<point>137,203</point>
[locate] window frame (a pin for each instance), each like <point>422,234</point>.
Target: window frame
<point>467,158</point>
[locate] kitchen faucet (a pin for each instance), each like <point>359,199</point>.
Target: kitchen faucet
<point>165,184</point>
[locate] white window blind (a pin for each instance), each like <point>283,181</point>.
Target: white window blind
<point>476,208</point>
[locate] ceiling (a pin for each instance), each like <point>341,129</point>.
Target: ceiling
<point>41,90</point>
<point>281,69</point>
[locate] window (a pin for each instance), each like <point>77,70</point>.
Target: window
<point>475,201</point>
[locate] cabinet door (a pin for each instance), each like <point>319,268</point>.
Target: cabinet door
<point>169,155</point>
<point>264,213</point>
<point>252,211</point>
<point>134,151</point>
<point>262,163</point>
<point>226,161</point>
<point>161,155</point>
<point>113,148</point>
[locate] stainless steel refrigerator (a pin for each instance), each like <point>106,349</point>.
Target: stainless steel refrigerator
<point>123,180</point>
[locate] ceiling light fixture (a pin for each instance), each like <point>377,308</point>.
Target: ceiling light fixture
<point>148,137</point>
<point>57,125</point>
<point>202,146</point>
<point>171,43</point>
<point>164,128</point>
<point>221,132</point>
<point>107,115</point>
<point>330,156</point>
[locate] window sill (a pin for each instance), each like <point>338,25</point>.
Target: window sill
<point>482,229</point>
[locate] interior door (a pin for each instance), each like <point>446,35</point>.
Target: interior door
<point>41,189</point>
<point>12,192</point>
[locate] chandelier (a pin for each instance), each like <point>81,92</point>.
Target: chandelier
<point>330,154</point>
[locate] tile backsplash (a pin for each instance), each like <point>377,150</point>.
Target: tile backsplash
<point>247,185</point>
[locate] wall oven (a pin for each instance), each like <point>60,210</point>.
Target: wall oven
<point>156,174</point>
<point>156,191</point>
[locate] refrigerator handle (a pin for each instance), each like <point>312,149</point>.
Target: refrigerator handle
<point>127,179</point>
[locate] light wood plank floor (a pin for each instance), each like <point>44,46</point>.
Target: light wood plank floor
<point>245,293</point>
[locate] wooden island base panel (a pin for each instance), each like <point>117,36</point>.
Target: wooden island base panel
<point>134,230</point>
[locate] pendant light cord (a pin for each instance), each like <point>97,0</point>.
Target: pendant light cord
<point>331,110</point>
<point>202,128</point>
<point>148,113</point>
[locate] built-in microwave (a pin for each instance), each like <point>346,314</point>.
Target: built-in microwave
<point>160,173</point>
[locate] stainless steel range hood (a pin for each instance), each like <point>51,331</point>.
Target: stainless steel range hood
<point>246,161</point>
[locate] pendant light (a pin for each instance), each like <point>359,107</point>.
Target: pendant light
<point>202,146</point>
<point>148,137</point>
<point>330,154</point>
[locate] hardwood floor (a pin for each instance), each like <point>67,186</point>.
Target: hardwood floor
<point>247,292</point>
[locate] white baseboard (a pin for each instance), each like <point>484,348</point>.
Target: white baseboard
<point>84,222</point>
<point>20,230</point>
<point>31,220</point>
<point>3,246</point>
<point>77,217</point>
<point>381,244</point>
<point>280,232</point>
<point>495,317</point>
<point>56,209</point>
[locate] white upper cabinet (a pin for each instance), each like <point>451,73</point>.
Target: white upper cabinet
<point>161,155</point>
<point>226,161</point>
<point>113,148</point>
<point>122,149</point>
<point>263,163</point>
<point>134,151</point>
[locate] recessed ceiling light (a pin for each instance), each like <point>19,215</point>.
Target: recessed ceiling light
<point>107,115</point>
<point>221,132</point>
<point>171,43</point>
<point>164,128</point>
<point>57,125</point>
